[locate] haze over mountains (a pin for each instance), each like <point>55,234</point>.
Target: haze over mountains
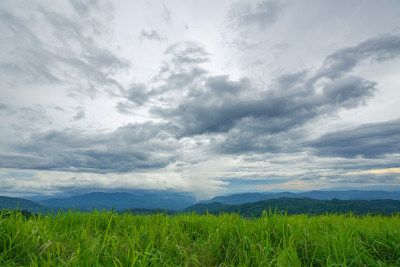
<point>173,201</point>
<point>118,201</point>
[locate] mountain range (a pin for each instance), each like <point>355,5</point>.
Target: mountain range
<point>173,201</point>
<point>236,199</point>
<point>119,201</point>
<point>301,206</point>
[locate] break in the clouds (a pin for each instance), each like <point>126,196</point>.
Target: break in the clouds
<point>207,98</point>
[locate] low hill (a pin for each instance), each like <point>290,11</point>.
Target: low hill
<point>204,207</point>
<point>12,203</point>
<point>307,206</point>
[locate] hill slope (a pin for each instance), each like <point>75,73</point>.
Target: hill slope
<point>204,207</point>
<point>304,206</point>
<point>236,199</point>
<point>21,204</point>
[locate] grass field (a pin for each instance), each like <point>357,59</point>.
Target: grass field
<point>109,239</point>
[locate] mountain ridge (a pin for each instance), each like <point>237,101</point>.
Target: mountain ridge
<point>170,200</point>
<point>123,200</point>
<point>302,206</point>
<point>241,198</point>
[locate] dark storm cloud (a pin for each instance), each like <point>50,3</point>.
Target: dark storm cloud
<point>137,93</point>
<point>349,91</point>
<point>369,141</point>
<point>259,15</point>
<point>79,115</point>
<point>220,85</point>
<point>256,119</point>
<point>132,147</point>
<point>55,44</point>
<point>125,108</point>
<point>222,104</point>
<point>251,136</point>
<point>151,35</point>
<point>4,107</point>
<point>376,49</point>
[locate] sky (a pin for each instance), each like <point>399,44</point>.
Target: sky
<point>205,97</point>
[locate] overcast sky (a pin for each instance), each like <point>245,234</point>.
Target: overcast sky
<point>208,97</point>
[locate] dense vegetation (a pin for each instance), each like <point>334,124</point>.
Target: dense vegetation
<point>137,211</point>
<point>107,239</point>
<point>303,206</point>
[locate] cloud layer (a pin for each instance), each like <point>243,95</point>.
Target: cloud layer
<point>96,90</point>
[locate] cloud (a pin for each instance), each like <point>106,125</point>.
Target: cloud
<point>80,115</point>
<point>258,15</point>
<point>34,114</point>
<point>218,114</point>
<point>377,171</point>
<point>166,14</point>
<point>151,35</point>
<point>131,147</point>
<point>137,93</point>
<point>57,44</point>
<point>372,140</point>
<point>377,49</point>
<point>247,118</point>
<point>187,53</point>
<point>4,107</point>
<point>219,104</point>
<point>180,70</point>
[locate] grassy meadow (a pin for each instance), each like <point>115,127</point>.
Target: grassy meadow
<point>111,239</point>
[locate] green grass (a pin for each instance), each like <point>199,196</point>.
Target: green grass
<point>109,239</point>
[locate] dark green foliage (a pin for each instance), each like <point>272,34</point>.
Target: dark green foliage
<point>304,206</point>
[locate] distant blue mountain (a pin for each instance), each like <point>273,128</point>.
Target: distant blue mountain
<point>169,200</point>
<point>236,199</point>
<point>352,195</point>
<point>119,201</point>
